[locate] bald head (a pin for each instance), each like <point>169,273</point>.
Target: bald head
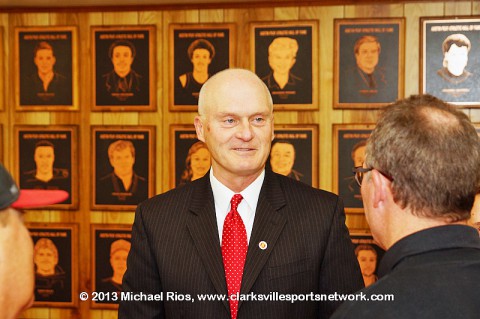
<point>225,83</point>
<point>236,122</point>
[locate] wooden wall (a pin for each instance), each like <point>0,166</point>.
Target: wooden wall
<point>325,116</point>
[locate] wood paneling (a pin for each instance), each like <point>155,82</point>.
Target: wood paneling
<point>162,118</point>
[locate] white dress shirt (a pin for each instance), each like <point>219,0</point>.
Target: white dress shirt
<point>247,207</point>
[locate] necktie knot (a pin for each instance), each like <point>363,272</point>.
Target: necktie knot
<point>235,201</point>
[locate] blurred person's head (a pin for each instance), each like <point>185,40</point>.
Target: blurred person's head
<point>122,157</point>
<point>44,58</point>
<point>455,49</point>
<point>118,257</point>
<point>44,157</point>
<point>45,257</point>
<point>122,53</point>
<point>282,54</point>
<point>197,162</point>
<point>423,168</point>
<point>282,157</point>
<point>367,51</point>
<point>201,53</point>
<point>358,153</point>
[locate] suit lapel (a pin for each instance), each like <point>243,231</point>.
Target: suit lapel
<point>202,225</point>
<point>267,228</point>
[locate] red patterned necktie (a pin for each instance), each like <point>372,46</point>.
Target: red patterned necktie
<point>234,251</point>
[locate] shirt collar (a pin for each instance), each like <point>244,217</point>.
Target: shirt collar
<point>436,238</point>
<point>222,194</point>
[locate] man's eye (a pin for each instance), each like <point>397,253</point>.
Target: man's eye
<point>229,121</point>
<point>259,120</point>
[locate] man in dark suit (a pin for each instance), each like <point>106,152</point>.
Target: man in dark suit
<point>298,245</point>
<point>418,184</point>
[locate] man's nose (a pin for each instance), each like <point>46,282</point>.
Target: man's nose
<point>245,130</point>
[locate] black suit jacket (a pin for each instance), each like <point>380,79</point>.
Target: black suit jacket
<point>176,249</point>
<point>430,274</point>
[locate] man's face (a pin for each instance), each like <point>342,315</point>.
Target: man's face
<point>368,262</point>
<point>457,58</point>
<point>122,162</point>
<point>282,158</point>
<point>359,156</point>
<point>45,260</point>
<point>44,157</point>
<point>119,261</point>
<point>201,60</point>
<point>44,60</point>
<point>237,128</point>
<point>367,56</point>
<point>200,162</point>
<point>281,61</point>
<point>122,60</point>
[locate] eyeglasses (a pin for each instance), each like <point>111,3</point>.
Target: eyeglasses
<point>360,171</point>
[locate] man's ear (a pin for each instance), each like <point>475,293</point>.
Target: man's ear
<point>382,190</point>
<point>199,128</point>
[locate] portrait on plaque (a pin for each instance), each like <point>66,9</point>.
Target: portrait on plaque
<point>450,59</point>
<point>190,158</point>
<point>196,52</point>
<point>110,247</point>
<point>46,159</point>
<point>124,68</point>
<point>123,166</point>
<point>285,57</point>
<point>369,62</point>
<point>349,152</point>
<point>54,249</point>
<point>294,152</point>
<point>46,68</point>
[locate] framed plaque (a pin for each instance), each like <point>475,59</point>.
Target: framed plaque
<point>196,52</point>
<point>46,158</point>
<point>54,256</point>
<point>369,62</point>
<point>285,56</point>
<point>450,59</point>
<point>124,68</point>
<point>110,248</point>
<point>294,152</point>
<point>123,162</point>
<point>46,76</point>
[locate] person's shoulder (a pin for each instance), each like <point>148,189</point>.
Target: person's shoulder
<point>60,173</point>
<point>135,74</point>
<point>140,178</point>
<point>30,173</point>
<point>109,75</point>
<point>292,186</point>
<point>60,77</point>
<point>176,197</point>
<point>106,178</point>
<point>361,307</point>
<point>295,77</point>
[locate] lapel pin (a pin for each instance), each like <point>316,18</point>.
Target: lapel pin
<point>263,245</point>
